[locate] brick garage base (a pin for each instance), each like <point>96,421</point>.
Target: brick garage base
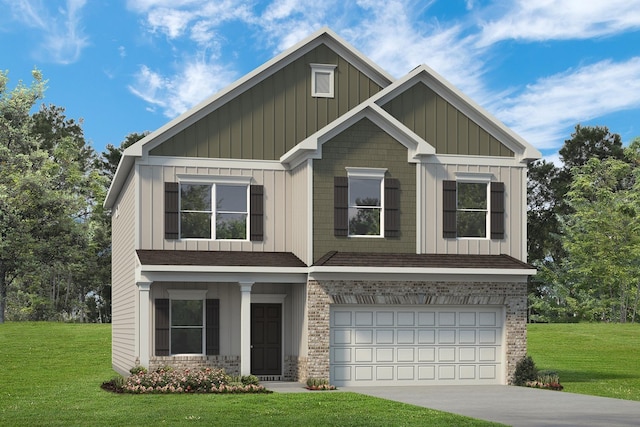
<point>322,294</point>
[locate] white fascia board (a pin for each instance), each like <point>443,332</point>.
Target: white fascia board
<point>393,277</point>
<point>221,274</point>
<point>461,159</point>
<point>119,178</point>
<point>203,162</point>
<point>524,150</point>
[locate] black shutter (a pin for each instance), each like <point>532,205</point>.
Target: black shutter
<point>256,215</point>
<point>171,196</point>
<point>449,206</point>
<point>340,206</point>
<point>162,327</point>
<point>213,326</point>
<point>391,207</point>
<point>497,210</point>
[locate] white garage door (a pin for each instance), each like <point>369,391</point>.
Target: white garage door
<point>375,345</point>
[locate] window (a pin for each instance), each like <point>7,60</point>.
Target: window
<point>322,80</point>
<point>197,211</point>
<point>187,326</point>
<point>472,215</point>
<point>187,323</point>
<point>366,214</point>
<point>473,207</point>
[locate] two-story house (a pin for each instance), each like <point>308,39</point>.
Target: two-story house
<point>319,218</point>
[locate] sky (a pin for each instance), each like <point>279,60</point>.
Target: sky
<point>124,66</point>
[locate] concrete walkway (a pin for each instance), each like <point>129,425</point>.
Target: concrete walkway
<point>515,406</point>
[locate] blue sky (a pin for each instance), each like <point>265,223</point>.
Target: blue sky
<point>129,66</point>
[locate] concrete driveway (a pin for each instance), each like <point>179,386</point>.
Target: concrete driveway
<point>515,406</point>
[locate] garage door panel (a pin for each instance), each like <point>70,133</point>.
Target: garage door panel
<point>396,345</point>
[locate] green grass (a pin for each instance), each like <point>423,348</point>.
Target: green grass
<point>50,375</point>
<point>600,359</point>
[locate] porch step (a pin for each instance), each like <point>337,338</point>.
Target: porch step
<point>269,377</point>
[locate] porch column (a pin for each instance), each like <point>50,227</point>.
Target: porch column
<point>144,322</point>
<point>245,327</point>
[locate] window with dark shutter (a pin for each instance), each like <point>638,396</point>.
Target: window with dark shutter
<point>256,224</point>
<point>449,207</point>
<point>171,197</point>
<point>162,327</point>
<point>213,326</point>
<point>391,207</point>
<point>341,206</point>
<point>497,210</point>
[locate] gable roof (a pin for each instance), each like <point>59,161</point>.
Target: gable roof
<point>322,36</point>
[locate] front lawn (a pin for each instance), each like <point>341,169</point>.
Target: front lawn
<point>51,375</point>
<point>600,359</point>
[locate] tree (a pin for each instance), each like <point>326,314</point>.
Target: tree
<point>547,187</point>
<point>602,237</point>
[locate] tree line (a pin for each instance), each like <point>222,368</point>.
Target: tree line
<point>55,236</point>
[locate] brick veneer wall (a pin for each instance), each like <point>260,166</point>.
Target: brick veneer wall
<point>231,364</point>
<point>322,294</point>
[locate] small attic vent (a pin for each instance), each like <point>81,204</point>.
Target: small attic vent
<point>322,80</point>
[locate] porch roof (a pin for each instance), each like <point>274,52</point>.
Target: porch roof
<point>441,261</point>
<point>219,258</point>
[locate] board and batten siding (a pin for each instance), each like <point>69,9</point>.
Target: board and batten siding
<point>300,182</point>
<point>270,118</point>
<point>514,178</point>
<point>277,209</point>
<point>440,124</point>
<point>124,290</point>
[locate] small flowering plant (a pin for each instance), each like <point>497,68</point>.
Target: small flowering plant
<point>547,380</point>
<point>319,384</point>
<point>181,381</point>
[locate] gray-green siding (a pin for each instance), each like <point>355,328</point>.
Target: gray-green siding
<point>362,145</point>
<point>442,125</point>
<point>270,118</point>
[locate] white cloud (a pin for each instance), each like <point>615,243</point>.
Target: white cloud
<point>62,32</point>
<point>196,80</point>
<point>561,19</point>
<point>544,110</point>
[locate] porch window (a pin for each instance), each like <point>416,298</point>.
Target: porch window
<point>187,326</point>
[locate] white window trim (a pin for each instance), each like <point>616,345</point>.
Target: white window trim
<point>369,173</point>
<point>188,295</point>
<point>477,179</point>
<point>213,181</point>
<point>323,68</point>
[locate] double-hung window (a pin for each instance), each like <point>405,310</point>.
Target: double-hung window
<point>473,209</point>
<point>187,326</point>
<point>366,202</point>
<point>214,211</point>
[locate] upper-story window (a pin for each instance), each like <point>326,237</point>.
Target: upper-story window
<point>322,80</point>
<point>219,208</point>
<point>473,213</point>
<point>366,202</point>
<point>473,207</point>
<point>202,206</point>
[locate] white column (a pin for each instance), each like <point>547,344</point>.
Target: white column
<point>245,328</point>
<point>144,322</point>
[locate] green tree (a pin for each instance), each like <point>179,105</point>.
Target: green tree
<point>602,237</point>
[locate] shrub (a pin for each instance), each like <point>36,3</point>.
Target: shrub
<point>138,370</point>
<point>115,384</point>
<point>546,379</point>
<point>525,371</point>
<point>176,381</point>
<point>319,384</point>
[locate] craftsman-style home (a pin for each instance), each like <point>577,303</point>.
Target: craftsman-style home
<point>319,218</point>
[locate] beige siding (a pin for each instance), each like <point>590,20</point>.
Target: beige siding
<point>431,177</point>
<point>124,291</point>
<point>362,145</point>
<point>442,125</point>
<point>277,212</point>
<point>270,118</point>
<point>300,211</point>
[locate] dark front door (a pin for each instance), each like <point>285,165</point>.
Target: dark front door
<point>266,339</point>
